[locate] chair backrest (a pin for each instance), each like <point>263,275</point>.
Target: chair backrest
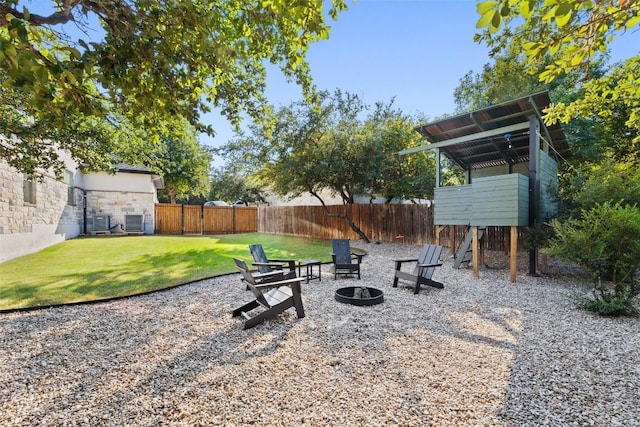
<point>342,251</point>
<point>259,256</point>
<point>241,264</point>
<point>251,282</point>
<point>430,254</point>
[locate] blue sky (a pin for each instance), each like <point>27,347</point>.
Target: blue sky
<point>413,50</point>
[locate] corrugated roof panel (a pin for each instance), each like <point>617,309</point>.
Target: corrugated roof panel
<point>482,152</point>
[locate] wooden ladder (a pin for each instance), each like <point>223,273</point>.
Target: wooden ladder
<point>464,252</point>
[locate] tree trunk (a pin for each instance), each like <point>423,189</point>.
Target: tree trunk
<point>344,216</point>
<point>355,228</point>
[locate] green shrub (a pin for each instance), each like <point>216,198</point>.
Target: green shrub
<point>592,184</point>
<point>538,236</point>
<point>616,183</point>
<point>606,242</point>
<point>619,301</point>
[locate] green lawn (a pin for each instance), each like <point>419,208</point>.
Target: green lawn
<point>94,268</point>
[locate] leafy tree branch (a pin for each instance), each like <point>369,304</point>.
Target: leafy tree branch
<point>152,61</point>
<point>558,36</point>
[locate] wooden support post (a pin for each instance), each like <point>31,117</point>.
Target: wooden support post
<point>513,264</point>
<point>475,256</point>
<point>438,230</point>
<point>507,241</point>
<point>452,239</point>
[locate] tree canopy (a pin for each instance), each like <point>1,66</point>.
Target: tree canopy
<point>341,145</point>
<point>229,185</point>
<point>151,61</point>
<point>561,35</point>
<point>184,164</point>
<point>594,138</point>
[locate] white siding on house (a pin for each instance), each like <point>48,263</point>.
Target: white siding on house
<point>306,199</point>
<point>122,181</point>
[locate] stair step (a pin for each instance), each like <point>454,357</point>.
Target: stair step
<point>465,250</point>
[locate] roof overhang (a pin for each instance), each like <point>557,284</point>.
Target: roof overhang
<point>493,136</point>
<point>158,182</point>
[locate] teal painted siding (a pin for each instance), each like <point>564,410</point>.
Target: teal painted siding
<point>501,200</point>
<point>547,201</point>
<point>452,205</point>
<point>492,171</point>
<point>521,168</point>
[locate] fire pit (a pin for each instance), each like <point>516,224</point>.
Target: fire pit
<point>357,295</point>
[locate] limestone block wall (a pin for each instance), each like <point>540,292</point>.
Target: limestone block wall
<point>117,204</point>
<point>27,227</point>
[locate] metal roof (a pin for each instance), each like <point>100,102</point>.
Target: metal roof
<point>493,136</point>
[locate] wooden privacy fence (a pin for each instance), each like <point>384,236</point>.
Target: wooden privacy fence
<point>196,219</point>
<point>378,221</point>
<point>409,224</point>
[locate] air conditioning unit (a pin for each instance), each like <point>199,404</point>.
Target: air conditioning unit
<point>101,222</point>
<point>134,223</point>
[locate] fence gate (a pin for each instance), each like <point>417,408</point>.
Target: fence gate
<point>196,219</point>
<point>191,219</point>
<point>168,219</point>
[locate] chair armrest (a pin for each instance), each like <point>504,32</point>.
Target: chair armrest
<point>288,260</point>
<point>399,262</point>
<point>268,274</point>
<point>279,283</point>
<point>268,264</point>
<point>358,252</point>
<point>423,267</point>
<point>429,265</point>
<point>405,260</point>
<point>291,262</point>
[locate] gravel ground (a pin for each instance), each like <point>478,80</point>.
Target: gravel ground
<point>480,352</point>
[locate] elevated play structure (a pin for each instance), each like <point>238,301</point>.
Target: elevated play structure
<point>510,160</point>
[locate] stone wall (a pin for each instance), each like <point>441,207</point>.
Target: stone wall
<point>117,204</point>
<point>26,227</point>
<point>29,227</point>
